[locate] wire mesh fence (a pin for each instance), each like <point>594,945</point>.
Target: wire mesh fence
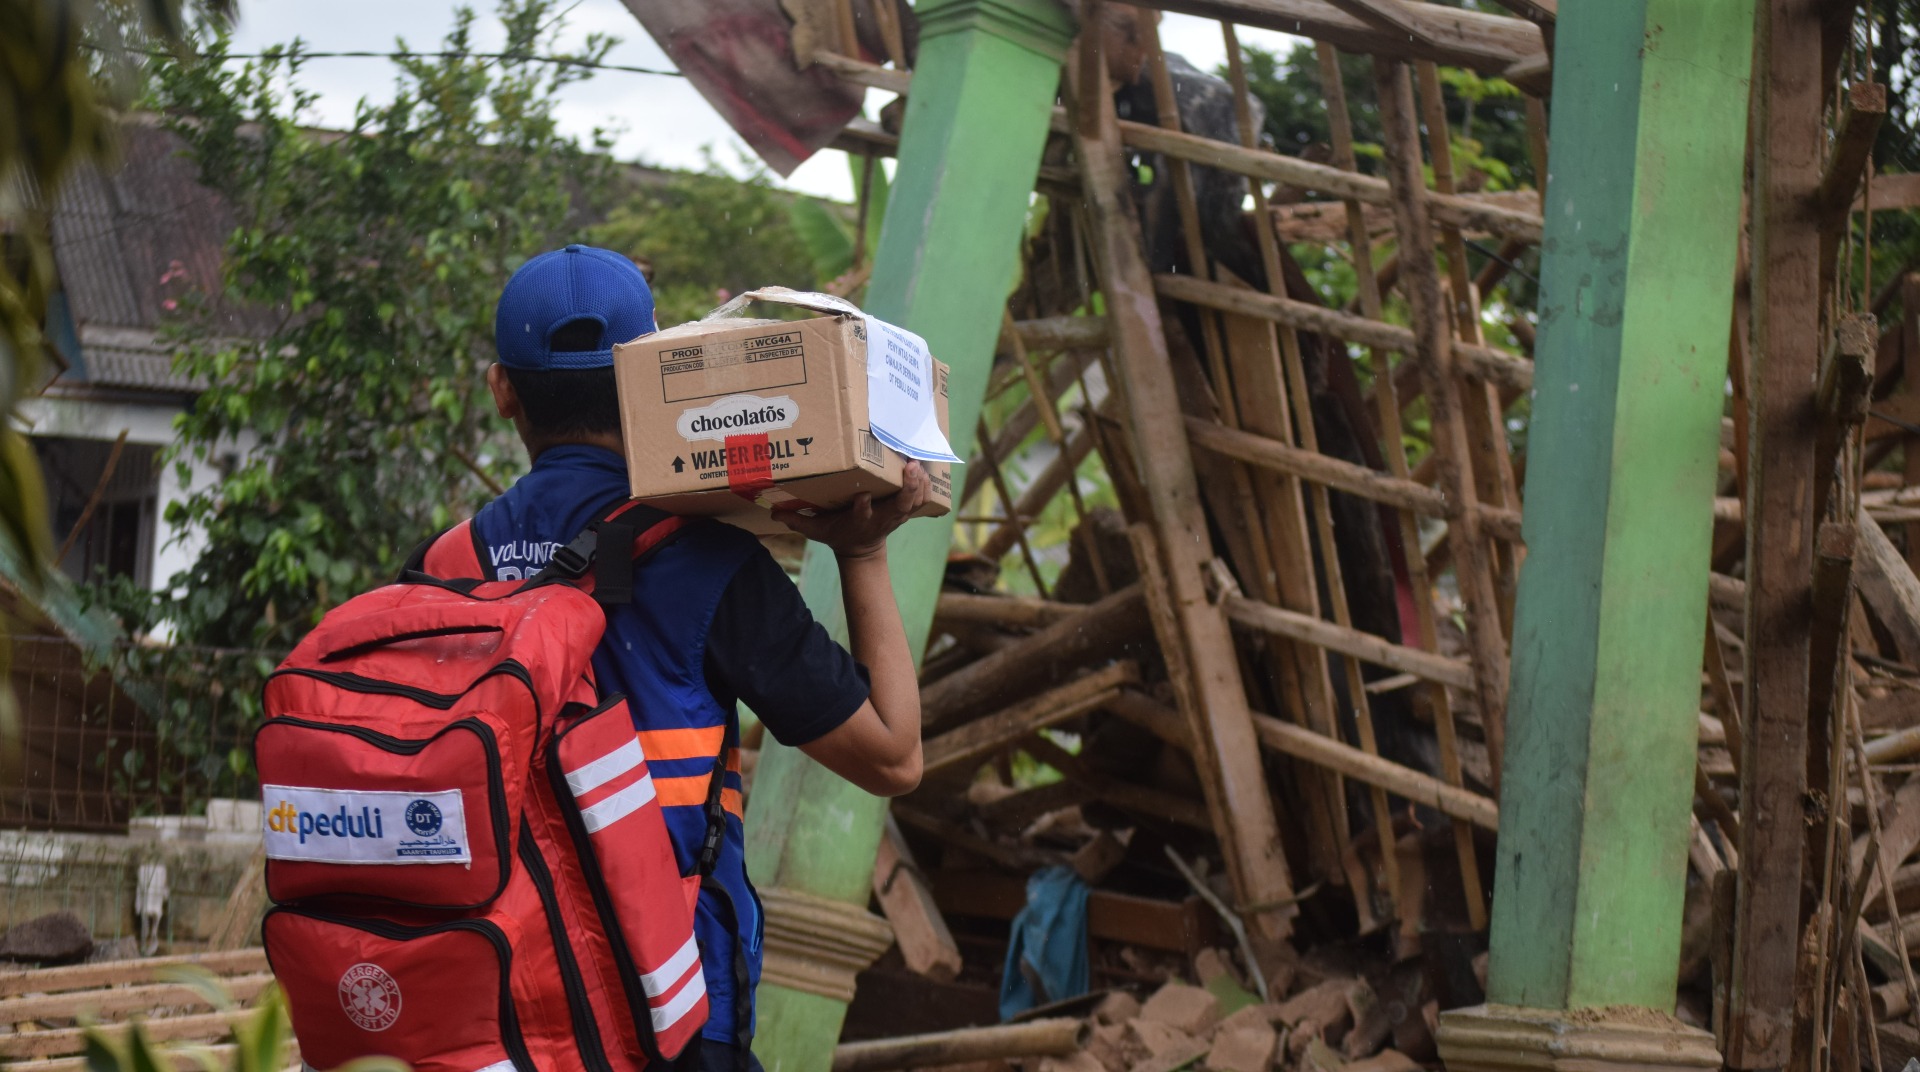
<point>152,731</point>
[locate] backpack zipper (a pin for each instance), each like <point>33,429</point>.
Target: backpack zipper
<point>443,701</point>
<point>510,1037</point>
<point>586,1032</point>
<point>408,746</point>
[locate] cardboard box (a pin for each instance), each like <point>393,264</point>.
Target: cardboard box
<point>736,418</point>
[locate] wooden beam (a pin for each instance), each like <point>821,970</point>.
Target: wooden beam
<point>1349,641</point>
<point>1098,632</point>
<point>1852,151</point>
<point>1170,926</point>
<point>1319,468</point>
<point>1012,612</point>
<point>1434,353</point>
<point>121,1001</point>
<point>1391,16</point>
<point>1055,333</point>
<point>978,740</point>
<point>1486,43</point>
<point>1425,789</point>
<point>1226,751</point>
<point>1035,1038</point>
<point>1891,192</point>
<point>1472,214</point>
<point>918,927</point>
<point>1484,363</point>
<point>1889,588</point>
<point>128,972</point>
<point>1787,137</point>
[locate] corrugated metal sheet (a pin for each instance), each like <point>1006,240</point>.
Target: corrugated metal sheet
<point>131,239</point>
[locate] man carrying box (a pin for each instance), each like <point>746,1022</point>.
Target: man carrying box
<point>713,619</point>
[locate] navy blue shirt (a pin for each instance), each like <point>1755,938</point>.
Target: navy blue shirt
<point>714,621</point>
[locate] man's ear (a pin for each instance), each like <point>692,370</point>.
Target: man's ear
<point>504,398</point>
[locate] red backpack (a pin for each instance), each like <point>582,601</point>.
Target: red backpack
<point>469,868</point>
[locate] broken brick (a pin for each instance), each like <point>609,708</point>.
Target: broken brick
<point>1245,1048</point>
<point>1182,1007</point>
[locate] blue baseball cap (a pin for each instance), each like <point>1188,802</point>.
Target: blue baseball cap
<point>565,287</point>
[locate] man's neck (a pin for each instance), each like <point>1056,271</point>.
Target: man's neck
<point>537,447</point>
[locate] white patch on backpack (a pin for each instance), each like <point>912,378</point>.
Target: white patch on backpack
<point>370,997</point>
<point>351,826</point>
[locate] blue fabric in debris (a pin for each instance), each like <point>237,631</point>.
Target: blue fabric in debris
<point>1047,957</point>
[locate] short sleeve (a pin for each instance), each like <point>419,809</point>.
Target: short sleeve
<point>765,649</point>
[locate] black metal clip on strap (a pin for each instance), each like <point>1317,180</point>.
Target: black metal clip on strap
<point>716,816</point>
<point>612,573</point>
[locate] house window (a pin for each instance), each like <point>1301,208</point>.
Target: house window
<point>118,538</point>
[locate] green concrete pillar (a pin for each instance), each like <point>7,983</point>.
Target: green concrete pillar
<point>976,121</point>
<point>1642,228</point>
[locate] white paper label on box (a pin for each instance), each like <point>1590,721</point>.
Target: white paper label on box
<point>900,386</point>
<point>351,826</point>
<point>737,415</point>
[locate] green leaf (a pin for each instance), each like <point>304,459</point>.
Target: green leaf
<point>828,241</point>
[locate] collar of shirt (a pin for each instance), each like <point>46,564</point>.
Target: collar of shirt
<point>563,491</point>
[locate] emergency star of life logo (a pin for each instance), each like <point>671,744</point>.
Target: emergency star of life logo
<point>370,997</point>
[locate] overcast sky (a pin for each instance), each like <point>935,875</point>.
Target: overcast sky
<point>659,120</point>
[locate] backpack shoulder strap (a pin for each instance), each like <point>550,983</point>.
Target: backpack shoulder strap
<point>451,553</point>
<point>608,577</point>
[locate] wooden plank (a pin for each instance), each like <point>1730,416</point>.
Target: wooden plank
<point>1486,43</point>
<point>1304,678</point>
<point>1888,587</point>
<point>1433,350</point>
<point>1349,641</point>
<point>1490,460</point>
<point>1391,16</point>
<point>1319,468</point>
<point>122,1000</point>
<point>1143,800</point>
<point>125,972</point>
<point>1471,214</point>
<point>1899,837</point>
<point>1788,147</point>
<point>1484,363</point>
<point>918,927</point>
<point>1226,752</point>
<point>1172,926</point>
<point>1011,612</point>
<point>1864,109</point>
<point>1052,334</point>
<point>978,740</point>
<point>63,1041</point>
<point>1891,192</point>
<point>1099,632</point>
<point>1420,788</point>
<point>1393,446</point>
<point>187,1059</point>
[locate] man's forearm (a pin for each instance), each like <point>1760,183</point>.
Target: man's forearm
<point>879,640</point>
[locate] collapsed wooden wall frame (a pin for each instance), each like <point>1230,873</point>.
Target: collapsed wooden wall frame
<point>1192,387</point>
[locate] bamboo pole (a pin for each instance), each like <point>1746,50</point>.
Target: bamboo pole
<point>1036,1038</point>
<point>1387,409</point>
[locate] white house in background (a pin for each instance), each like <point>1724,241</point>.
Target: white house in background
<point>127,245</point>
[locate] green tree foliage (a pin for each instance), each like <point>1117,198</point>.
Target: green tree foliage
<point>359,423</point>
<point>828,231</point>
<point>1488,115</point>
<point>708,236</point>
